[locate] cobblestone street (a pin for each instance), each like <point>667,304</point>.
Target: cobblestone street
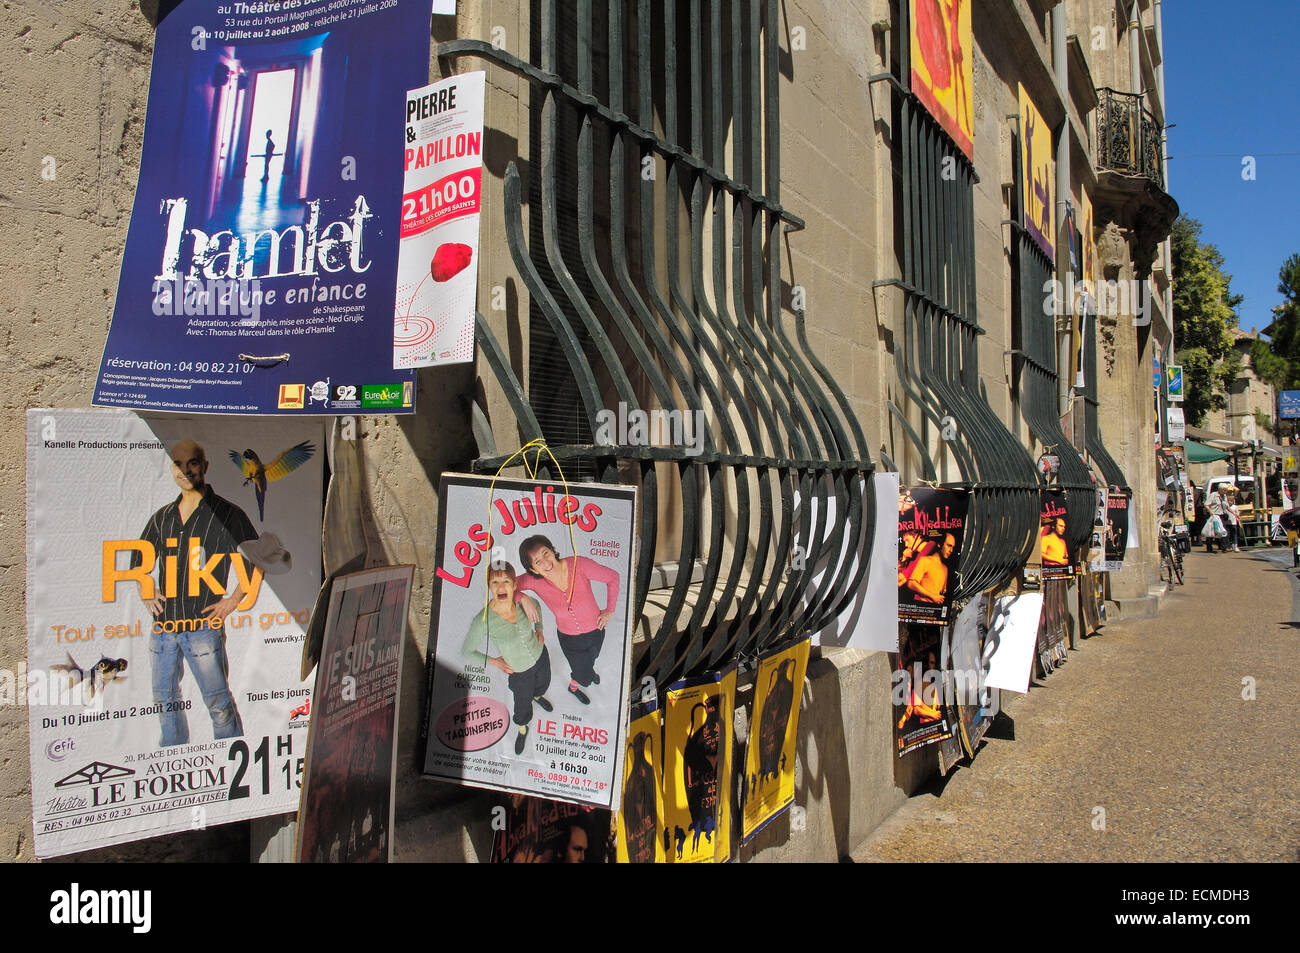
<point>1147,721</point>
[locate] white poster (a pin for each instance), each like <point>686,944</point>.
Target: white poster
<point>528,665</point>
<point>437,263</point>
<point>870,621</point>
<point>172,562</point>
<point>1009,645</point>
<point>1178,426</point>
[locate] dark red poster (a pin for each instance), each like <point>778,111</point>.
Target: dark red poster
<point>1052,545</point>
<point>931,527</point>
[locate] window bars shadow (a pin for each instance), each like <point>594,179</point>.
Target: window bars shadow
<point>1110,470</point>
<point>938,364</point>
<point>669,298</point>
<point>1036,343</point>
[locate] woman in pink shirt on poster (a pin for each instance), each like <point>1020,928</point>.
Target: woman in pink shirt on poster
<point>578,620</point>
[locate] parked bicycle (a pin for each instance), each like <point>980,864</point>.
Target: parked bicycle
<point>1171,553</point>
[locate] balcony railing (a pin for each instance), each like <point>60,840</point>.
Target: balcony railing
<point>1128,136</point>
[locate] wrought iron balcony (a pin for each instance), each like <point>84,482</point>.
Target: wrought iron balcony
<point>1128,137</point>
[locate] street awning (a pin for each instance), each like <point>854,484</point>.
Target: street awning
<point>1198,452</point>
<point>1219,441</point>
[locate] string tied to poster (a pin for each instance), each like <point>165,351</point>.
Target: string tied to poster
<point>539,447</point>
<point>265,361</point>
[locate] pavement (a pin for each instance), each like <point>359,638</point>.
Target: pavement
<point>1146,745</point>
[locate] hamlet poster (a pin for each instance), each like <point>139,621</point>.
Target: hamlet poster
<point>528,666</point>
<point>259,275</point>
<point>167,601</point>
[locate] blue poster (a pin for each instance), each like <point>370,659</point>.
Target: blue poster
<point>1289,404</point>
<point>260,268</point>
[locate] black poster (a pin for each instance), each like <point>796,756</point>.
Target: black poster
<point>1052,545</point>
<point>931,527</point>
<point>1116,530</point>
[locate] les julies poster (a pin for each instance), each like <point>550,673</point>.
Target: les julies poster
<point>528,669</point>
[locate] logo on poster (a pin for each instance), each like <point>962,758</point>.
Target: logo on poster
<point>292,396</point>
<point>320,392</point>
<point>386,395</point>
<point>59,748</point>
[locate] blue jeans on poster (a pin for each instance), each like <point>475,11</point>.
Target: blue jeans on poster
<point>205,651</point>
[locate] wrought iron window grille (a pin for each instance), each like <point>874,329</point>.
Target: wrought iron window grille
<point>673,81</point>
<point>937,362</point>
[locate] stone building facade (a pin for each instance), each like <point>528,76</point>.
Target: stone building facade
<point>854,358</point>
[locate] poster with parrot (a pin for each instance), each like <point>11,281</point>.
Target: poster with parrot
<point>767,789</point>
<point>941,66</point>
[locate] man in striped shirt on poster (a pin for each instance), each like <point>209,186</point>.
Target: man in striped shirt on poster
<point>190,628</point>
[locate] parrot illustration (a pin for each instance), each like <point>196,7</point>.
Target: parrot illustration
<point>259,473</point>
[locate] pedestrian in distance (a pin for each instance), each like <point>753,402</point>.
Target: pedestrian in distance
<point>1216,523</point>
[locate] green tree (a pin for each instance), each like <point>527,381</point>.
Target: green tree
<point>1282,365</point>
<point>1204,317</point>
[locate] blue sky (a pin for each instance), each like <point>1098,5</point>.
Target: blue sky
<point>1230,89</point>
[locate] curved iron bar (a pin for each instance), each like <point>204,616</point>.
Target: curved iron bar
<point>938,360</point>
<point>791,433</point>
<point>1039,388</point>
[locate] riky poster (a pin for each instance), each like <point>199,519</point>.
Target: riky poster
<point>437,269</point>
<point>346,812</point>
<point>260,268</point>
<point>172,562</point>
<point>641,811</point>
<point>533,830</point>
<point>528,661</point>
<point>697,772</point>
<point>941,66</point>
<point>931,526</point>
<point>767,787</point>
<point>1052,545</point>
<point>920,713</point>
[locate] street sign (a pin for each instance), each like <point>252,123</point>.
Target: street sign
<point>1289,404</point>
<point>1175,375</point>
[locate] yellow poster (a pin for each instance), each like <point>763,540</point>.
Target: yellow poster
<point>1036,174</point>
<point>697,781</point>
<point>941,66</point>
<point>641,812</point>
<point>767,788</point>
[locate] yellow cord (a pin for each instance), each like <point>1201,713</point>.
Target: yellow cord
<point>538,445</point>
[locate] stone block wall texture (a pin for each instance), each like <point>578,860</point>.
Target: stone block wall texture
<point>74,77</point>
